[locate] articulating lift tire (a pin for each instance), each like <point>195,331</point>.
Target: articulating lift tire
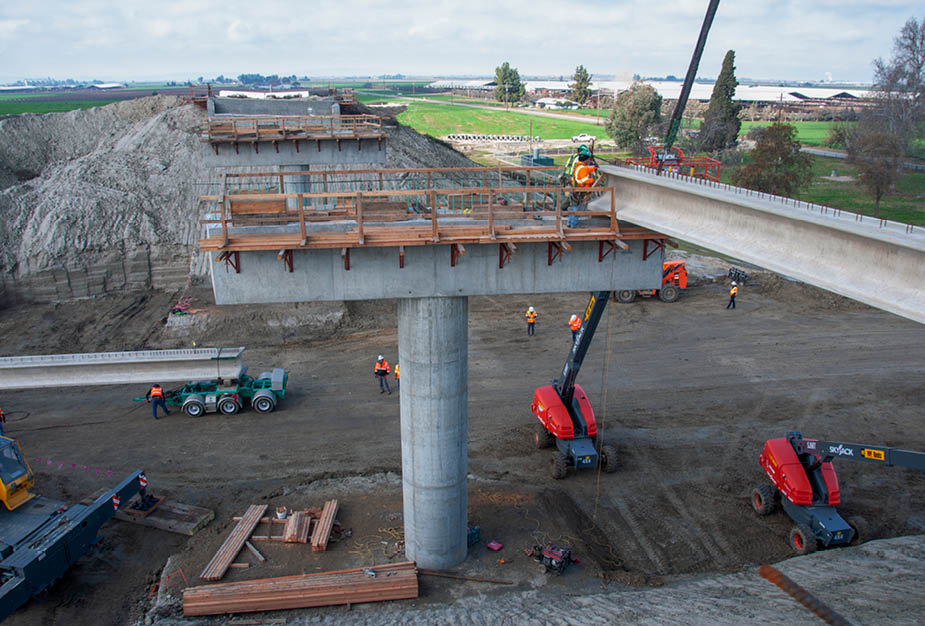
<point>861,528</point>
<point>764,499</point>
<point>802,539</point>
<point>626,296</point>
<point>609,459</point>
<point>558,465</point>
<point>669,293</point>
<point>542,438</point>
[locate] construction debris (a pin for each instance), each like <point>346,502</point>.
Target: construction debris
<point>233,543</point>
<point>392,582</point>
<point>183,519</point>
<point>254,551</point>
<point>324,526</point>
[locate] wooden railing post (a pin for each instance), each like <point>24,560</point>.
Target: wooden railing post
<point>613,210</point>
<point>491,215</point>
<point>301,201</point>
<point>432,200</point>
<point>358,202</point>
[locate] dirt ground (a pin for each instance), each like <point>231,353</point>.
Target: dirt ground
<point>687,392</point>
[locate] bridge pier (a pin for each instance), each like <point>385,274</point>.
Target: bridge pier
<point>433,352</point>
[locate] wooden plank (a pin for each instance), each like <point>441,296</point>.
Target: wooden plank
<point>233,543</point>
<point>174,517</point>
<point>296,529</point>
<point>255,551</point>
<point>370,584</point>
<point>323,527</point>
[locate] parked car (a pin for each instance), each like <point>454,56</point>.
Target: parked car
<point>583,137</point>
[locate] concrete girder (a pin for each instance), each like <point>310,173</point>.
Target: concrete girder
<point>877,262</point>
<point>119,368</point>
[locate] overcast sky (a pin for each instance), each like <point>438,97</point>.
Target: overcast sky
<point>167,39</point>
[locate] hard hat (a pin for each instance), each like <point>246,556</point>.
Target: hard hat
<point>583,150</point>
<point>381,357</point>
<point>573,318</point>
<point>733,282</point>
<point>530,309</point>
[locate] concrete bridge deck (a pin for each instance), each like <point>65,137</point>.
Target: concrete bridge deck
<point>879,262</point>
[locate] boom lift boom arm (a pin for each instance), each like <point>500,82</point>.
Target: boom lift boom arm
<point>565,385</point>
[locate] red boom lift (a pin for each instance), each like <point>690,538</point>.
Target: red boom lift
<point>565,414</point>
<point>804,483</point>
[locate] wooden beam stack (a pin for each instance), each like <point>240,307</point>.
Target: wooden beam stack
<point>372,584</point>
<point>233,543</point>
<point>296,528</point>
<point>323,528</point>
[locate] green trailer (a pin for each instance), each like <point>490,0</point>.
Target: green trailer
<point>229,396</point>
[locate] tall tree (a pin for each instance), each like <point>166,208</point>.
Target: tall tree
<point>877,151</point>
<point>581,88</point>
<point>900,83</point>
<point>635,111</point>
<point>721,123</point>
<point>776,165</point>
<point>508,87</point>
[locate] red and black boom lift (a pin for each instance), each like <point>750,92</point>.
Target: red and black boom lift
<point>564,411</point>
<point>805,485</point>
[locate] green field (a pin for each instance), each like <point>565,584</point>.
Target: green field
<point>16,108</point>
<point>439,120</point>
<point>905,204</point>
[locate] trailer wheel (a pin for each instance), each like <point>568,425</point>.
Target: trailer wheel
<point>609,458</point>
<point>626,296</point>
<point>263,404</point>
<point>194,408</point>
<point>542,437</point>
<point>802,539</point>
<point>764,499</point>
<point>558,465</point>
<point>228,405</point>
<point>669,293</point>
<point>861,529</point>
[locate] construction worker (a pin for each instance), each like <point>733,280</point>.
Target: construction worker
<point>582,176</point>
<point>155,396</point>
<point>574,323</point>
<point>382,370</point>
<point>733,290</point>
<point>397,377</point>
<point>531,320</point>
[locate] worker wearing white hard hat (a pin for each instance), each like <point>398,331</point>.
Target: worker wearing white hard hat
<point>574,324</point>
<point>733,290</point>
<point>381,371</point>
<point>531,320</point>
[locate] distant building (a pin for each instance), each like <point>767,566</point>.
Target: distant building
<point>556,103</point>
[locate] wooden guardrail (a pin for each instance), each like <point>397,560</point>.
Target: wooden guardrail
<point>280,127</point>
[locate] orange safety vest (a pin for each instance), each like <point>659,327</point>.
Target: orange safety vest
<point>382,367</point>
<point>733,291</point>
<point>396,371</point>
<point>575,325</point>
<point>582,177</point>
<point>531,317</point>
<point>156,392</point>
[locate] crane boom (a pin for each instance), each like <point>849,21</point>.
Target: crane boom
<point>828,450</point>
<point>674,123</point>
<point>565,384</point>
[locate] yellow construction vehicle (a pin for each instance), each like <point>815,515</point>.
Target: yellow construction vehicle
<point>16,479</point>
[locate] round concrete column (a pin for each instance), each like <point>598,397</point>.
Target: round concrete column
<point>433,350</point>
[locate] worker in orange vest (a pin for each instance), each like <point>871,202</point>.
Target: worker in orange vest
<point>531,320</point>
<point>574,323</point>
<point>155,396</point>
<point>397,377</point>
<point>733,290</point>
<point>382,370</point>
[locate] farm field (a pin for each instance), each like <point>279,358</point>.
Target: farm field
<point>439,120</point>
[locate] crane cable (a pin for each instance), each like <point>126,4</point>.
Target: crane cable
<point>600,431</point>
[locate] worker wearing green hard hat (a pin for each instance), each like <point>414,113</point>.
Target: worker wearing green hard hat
<point>583,150</point>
